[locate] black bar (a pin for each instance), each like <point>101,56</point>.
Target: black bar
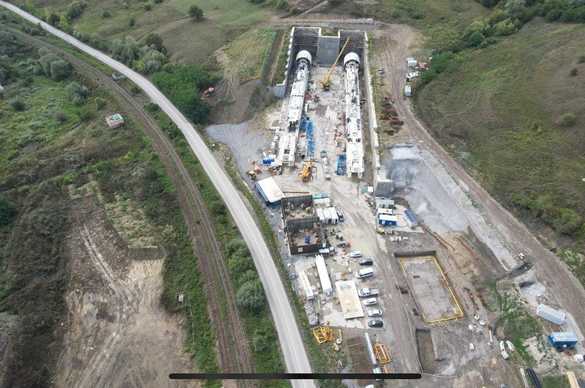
<point>294,376</point>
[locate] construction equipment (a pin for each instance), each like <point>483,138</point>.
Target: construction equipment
<point>382,354</point>
<point>326,82</point>
<point>323,334</point>
<point>307,171</point>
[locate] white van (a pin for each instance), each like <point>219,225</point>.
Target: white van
<point>365,273</point>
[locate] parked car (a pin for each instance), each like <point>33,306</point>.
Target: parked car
<point>355,254</point>
<point>376,323</point>
<point>339,214</point>
<point>370,302</point>
<point>365,292</point>
<point>365,273</point>
<point>374,313</point>
<point>367,261</point>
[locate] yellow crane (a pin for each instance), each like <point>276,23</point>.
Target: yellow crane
<point>326,82</point>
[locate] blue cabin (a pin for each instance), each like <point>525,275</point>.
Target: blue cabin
<point>562,340</point>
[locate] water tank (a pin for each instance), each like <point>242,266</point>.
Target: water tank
<point>304,54</point>
<point>351,57</point>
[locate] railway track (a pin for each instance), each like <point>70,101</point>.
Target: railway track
<point>233,348</point>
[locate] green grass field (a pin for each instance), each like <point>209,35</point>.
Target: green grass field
<point>47,145</point>
<point>498,110</point>
<point>187,41</point>
<point>440,20</point>
<point>249,51</point>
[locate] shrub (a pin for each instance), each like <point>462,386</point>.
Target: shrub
<point>240,264</point>
<point>7,212</point>
<point>567,120</point>
<point>125,50</point>
<point>60,70</point>
<point>100,103</point>
<point>488,3</point>
<point>78,93</point>
<point>505,27</point>
<point>53,19</point>
<point>155,41</point>
<point>553,15</point>
<point>581,59</point>
<point>237,246</point>
<point>54,67</point>
<point>196,13</point>
<point>475,39</point>
<point>17,105</point>
<point>61,117</point>
<point>106,14</point>
<point>261,341</point>
<point>568,221</point>
<point>250,296</point>
<point>131,22</point>
<point>152,107</point>
<point>75,10</point>
<point>148,7</point>
<point>573,72</point>
<point>86,115</point>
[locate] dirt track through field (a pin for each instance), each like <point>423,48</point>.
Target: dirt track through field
<point>233,348</point>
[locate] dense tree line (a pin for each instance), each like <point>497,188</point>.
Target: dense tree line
<point>507,17</point>
<point>182,84</point>
<point>552,10</point>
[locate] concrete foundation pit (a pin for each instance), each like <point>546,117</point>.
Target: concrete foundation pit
<point>431,289</point>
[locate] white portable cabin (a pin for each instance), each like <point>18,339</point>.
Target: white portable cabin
<point>411,62</point>
<point>330,215</point>
<point>306,285</point>
<point>320,214</point>
<point>408,90</point>
<point>323,275</point>
<point>269,190</point>
<point>550,314</point>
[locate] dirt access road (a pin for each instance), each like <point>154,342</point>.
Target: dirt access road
<point>294,352</point>
<point>229,329</point>
<point>393,45</point>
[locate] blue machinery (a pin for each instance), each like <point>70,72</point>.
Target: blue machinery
<point>309,128</point>
<point>341,164</point>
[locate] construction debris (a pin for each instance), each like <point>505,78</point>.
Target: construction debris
<point>323,334</point>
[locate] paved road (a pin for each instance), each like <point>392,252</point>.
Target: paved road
<point>289,336</point>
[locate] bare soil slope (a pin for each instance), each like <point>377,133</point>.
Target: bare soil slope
<point>117,330</point>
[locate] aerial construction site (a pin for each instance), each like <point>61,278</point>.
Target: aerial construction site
<point>278,186</point>
<point>383,248</point>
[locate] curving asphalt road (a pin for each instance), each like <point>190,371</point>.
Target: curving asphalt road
<point>289,336</point>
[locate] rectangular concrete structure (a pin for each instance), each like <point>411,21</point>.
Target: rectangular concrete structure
<point>349,299</point>
<point>431,289</point>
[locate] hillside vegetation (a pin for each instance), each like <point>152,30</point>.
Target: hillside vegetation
<point>53,137</point>
<point>188,39</point>
<point>513,112</point>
